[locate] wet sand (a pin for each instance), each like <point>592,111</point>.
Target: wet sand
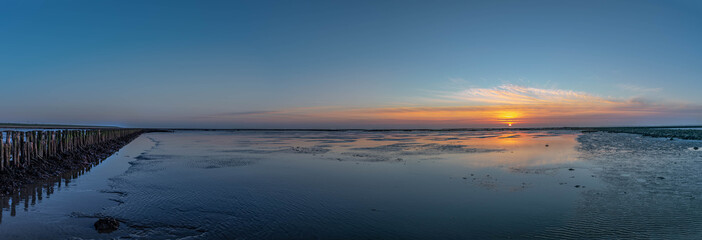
<point>555,184</point>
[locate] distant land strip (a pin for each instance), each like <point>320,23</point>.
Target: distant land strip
<point>681,132</point>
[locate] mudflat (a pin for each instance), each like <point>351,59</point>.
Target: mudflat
<point>552,184</point>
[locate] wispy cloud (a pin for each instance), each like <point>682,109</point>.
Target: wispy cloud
<point>520,95</point>
<point>638,89</point>
<point>246,113</point>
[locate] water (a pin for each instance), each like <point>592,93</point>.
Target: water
<point>374,185</point>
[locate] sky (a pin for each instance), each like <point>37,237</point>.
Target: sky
<point>351,64</point>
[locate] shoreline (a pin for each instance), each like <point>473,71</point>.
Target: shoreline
<point>13,179</point>
<point>685,132</point>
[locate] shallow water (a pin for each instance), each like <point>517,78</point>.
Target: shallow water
<point>374,185</point>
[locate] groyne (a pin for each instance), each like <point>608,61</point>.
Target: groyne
<point>28,156</point>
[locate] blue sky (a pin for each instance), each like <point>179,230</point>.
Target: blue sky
<point>214,63</point>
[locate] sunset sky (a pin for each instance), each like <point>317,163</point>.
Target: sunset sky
<point>351,64</point>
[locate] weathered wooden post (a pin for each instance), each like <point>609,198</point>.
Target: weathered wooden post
<point>23,148</point>
<point>6,150</point>
<point>14,148</point>
<point>22,154</point>
<point>2,151</point>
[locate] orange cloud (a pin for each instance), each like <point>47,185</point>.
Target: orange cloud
<point>488,107</point>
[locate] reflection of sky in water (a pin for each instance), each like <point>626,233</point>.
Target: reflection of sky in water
<point>486,149</point>
<point>347,184</point>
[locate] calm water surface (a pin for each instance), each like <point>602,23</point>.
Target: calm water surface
<point>374,185</point>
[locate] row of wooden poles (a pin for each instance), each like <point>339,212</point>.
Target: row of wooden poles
<point>19,148</point>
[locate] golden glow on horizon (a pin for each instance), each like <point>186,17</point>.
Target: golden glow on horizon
<point>508,117</point>
<point>500,106</point>
<point>468,116</point>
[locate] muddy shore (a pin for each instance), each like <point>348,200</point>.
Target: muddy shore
<point>12,179</point>
<point>688,134</point>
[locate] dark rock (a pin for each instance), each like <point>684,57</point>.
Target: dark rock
<point>577,186</point>
<point>106,225</point>
<point>571,169</point>
<point>661,178</point>
<point>546,145</point>
<point>695,148</point>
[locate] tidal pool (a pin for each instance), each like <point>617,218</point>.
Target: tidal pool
<point>374,185</point>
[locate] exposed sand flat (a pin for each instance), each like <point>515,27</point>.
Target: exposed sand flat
<point>653,189</point>
<point>557,184</point>
<point>665,132</point>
